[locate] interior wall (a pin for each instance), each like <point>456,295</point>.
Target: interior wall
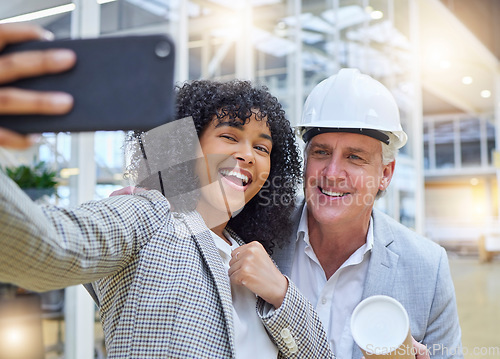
<point>460,210</point>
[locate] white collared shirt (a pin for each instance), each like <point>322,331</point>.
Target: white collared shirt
<point>335,298</point>
<point>251,338</point>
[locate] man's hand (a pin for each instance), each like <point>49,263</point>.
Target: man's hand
<point>420,350</point>
<point>252,267</point>
<point>20,65</point>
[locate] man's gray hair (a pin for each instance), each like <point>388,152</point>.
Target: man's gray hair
<point>390,151</point>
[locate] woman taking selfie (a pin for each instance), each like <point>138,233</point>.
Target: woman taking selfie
<point>181,277</point>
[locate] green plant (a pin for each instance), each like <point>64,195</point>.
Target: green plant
<point>37,176</point>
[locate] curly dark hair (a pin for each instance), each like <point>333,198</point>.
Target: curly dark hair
<point>266,217</point>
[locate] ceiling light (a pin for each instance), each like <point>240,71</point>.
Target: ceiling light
<point>377,15</point>
<point>281,25</point>
<point>474,181</point>
<point>444,64</point>
<point>486,94</point>
<point>466,80</point>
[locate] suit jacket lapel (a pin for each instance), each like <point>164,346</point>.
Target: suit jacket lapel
<point>202,236</point>
<point>383,260</point>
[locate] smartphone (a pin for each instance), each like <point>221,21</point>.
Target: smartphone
<point>118,83</point>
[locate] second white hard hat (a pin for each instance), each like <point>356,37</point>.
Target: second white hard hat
<point>352,102</point>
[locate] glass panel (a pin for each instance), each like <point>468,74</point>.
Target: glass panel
<point>125,15</point>
<point>117,18</point>
<point>195,63</point>
<point>407,208</point>
<point>227,67</point>
<point>401,17</point>
<point>389,56</point>
<point>59,24</point>
<point>109,154</point>
<point>470,142</point>
<point>405,118</point>
<point>353,22</point>
<point>444,139</point>
<point>276,51</point>
<point>426,146</point>
<point>490,135</point>
<point>54,149</point>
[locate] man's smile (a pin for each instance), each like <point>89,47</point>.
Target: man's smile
<point>333,193</point>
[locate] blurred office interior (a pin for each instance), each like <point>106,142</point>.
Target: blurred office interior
<point>440,59</point>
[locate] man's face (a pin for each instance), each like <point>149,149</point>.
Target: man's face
<point>344,173</point>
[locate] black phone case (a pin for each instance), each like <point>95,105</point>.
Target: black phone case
<point>118,83</point>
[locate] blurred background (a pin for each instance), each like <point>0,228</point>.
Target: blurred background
<point>440,59</point>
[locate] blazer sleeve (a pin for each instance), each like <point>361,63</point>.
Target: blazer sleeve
<point>45,248</point>
<point>443,334</point>
<point>295,326</point>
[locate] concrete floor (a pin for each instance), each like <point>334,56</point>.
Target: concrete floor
<point>477,286</point>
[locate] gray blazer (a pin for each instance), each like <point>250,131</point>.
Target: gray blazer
<point>411,269</point>
<point>158,277</point>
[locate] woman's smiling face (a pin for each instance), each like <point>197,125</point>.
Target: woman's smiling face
<point>237,163</point>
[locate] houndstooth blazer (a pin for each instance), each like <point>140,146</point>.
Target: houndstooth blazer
<point>160,283</point>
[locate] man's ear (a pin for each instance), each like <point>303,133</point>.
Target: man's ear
<point>387,173</point>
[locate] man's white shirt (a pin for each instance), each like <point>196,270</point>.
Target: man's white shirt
<point>335,298</point>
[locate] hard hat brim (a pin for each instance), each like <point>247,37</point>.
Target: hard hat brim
<point>378,135</point>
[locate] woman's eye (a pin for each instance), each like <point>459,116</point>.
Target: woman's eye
<point>231,138</point>
<point>262,149</point>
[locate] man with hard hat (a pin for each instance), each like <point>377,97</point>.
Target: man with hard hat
<point>343,249</point>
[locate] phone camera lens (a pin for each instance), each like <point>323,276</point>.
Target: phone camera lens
<point>162,49</point>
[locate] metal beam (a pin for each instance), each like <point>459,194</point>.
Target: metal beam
<point>79,306</point>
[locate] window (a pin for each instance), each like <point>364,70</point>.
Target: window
<point>470,142</point>
<point>444,141</point>
<point>426,137</point>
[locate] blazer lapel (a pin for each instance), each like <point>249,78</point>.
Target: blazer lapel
<point>210,254</point>
<point>382,266</point>
<point>383,260</point>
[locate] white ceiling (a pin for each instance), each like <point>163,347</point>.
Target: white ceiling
<point>449,53</point>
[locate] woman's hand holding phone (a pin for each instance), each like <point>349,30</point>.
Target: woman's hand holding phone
<point>16,66</point>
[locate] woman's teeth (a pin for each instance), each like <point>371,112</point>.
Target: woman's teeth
<point>230,173</point>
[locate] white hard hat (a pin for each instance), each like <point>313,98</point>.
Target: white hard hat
<point>352,102</point>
